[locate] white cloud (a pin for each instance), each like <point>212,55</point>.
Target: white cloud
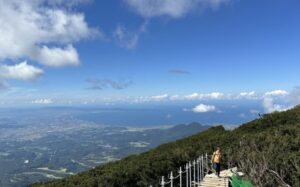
<point>43,101</point>
<point>21,71</point>
<point>215,95</point>
<point>294,96</point>
<point>198,96</point>
<point>202,108</point>
<point>190,97</point>
<point>155,98</point>
<point>281,100</point>
<point>156,8</point>
<point>57,57</point>
<point>247,94</point>
<point>276,93</point>
<point>171,8</point>
<point>193,96</point>
<point>30,30</point>
<point>270,105</point>
<point>159,97</point>
<point>128,39</point>
<point>276,100</point>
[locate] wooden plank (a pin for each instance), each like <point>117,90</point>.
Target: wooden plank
<point>212,180</point>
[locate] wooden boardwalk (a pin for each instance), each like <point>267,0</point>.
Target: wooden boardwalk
<point>192,175</point>
<point>212,180</point>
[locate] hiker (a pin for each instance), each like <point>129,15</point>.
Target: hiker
<point>216,160</point>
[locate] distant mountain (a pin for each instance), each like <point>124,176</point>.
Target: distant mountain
<point>267,150</point>
<point>174,133</point>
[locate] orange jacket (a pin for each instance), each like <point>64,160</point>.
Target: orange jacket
<point>216,157</point>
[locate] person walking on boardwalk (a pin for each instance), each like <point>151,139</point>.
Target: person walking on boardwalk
<point>216,160</point>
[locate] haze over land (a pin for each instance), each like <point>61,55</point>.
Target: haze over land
<point>266,150</point>
<point>51,143</point>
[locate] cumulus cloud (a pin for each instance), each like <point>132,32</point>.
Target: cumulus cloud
<point>277,100</point>
<point>171,8</point>
<point>202,108</point>
<point>276,93</point>
<point>215,95</point>
<point>294,96</point>
<point>101,84</point>
<point>57,57</point>
<point>190,97</point>
<point>198,96</point>
<point>270,105</point>
<point>247,95</point>
<point>281,100</point>
<point>34,31</point>
<point>193,96</point>
<point>43,101</point>
<point>128,39</point>
<point>22,71</point>
<point>159,97</point>
<point>154,98</point>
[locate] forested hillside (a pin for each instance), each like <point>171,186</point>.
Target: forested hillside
<point>267,150</point>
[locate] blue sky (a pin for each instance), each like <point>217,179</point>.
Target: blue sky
<point>93,52</point>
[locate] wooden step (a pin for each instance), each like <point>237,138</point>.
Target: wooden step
<point>212,180</point>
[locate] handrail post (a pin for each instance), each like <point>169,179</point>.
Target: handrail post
<point>194,165</point>
<point>187,174</point>
<point>171,178</point>
<point>206,164</point>
<point>162,181</point>
<point>198,170</point>
<point>229,164</point>
<point>195,171</point>
<point>180,177</point>
<point>190,174</point>
<point>202,169</point>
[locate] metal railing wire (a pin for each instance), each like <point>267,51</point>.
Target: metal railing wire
<point>193,174</point>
